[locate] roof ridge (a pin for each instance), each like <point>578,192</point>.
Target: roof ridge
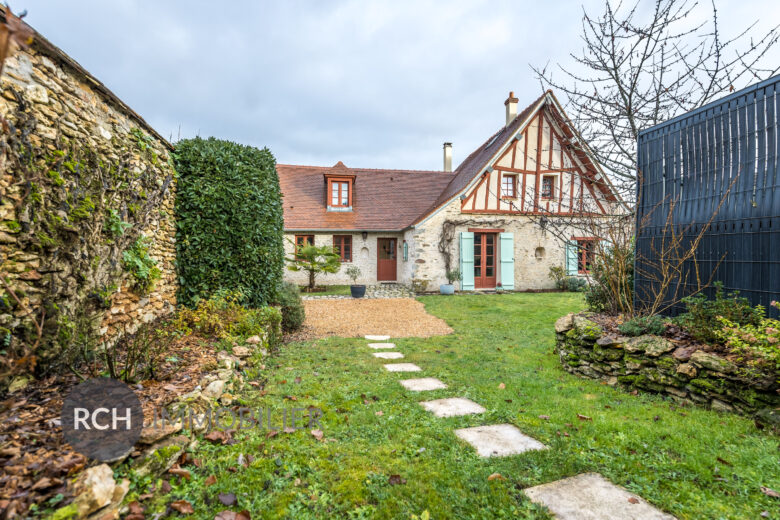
<point>390,170</point>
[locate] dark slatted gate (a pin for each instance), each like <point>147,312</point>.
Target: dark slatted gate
<point>691,161</point>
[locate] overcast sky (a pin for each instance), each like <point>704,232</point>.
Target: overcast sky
<point>372,84</point>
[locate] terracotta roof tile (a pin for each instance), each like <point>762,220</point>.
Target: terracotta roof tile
<point>383,200</point>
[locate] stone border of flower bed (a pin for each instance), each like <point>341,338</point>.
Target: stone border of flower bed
<point>97,495</point>
<point>655,364</point>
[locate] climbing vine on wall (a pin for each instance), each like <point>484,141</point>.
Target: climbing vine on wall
<point>77,208</point>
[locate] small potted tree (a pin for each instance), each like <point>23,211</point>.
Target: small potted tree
<point>358,291</point>
<point>452,277</point>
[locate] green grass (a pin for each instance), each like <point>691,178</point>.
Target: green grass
<point>330,290</point>
<point>690,462</point>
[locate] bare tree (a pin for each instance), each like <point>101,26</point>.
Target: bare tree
<point>640,67</point>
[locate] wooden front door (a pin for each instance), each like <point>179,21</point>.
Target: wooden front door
<point>484,260</point>
<point>386,259</point>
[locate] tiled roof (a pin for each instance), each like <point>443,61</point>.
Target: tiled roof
<point>383,200</point>
<point>474,163</point>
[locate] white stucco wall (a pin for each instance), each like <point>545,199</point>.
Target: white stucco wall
<point>364,253</point>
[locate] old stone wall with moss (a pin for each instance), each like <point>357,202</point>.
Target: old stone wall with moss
<point>86,215</point>
<point>655,364</point>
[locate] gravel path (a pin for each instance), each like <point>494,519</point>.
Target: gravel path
<point>397,317</point>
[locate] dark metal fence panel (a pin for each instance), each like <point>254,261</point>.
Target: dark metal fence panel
<point>716,164</point>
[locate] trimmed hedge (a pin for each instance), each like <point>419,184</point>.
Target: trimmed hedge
<point>229,226</point>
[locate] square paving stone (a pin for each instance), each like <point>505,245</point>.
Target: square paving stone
<point>373,337</point>
<point>381,345</point>
<point>590,496</point>
<point>420,385</point>
<point>403,367</point>
<point>452,407</point>
<point>388,355</point>
<point>499,440</point>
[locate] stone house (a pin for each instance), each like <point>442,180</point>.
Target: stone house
<point>485,218</point>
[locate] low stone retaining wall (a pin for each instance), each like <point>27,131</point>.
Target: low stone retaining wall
<point>655,364</point>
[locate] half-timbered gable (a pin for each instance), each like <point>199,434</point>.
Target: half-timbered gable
<point>540,170</point>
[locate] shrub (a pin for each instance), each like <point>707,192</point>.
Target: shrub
<point>761,342</point>
<point>566,283</point>
<point>293,313</point>
<point>137,356</point>
<point>643,325</point>
<point>701,316</point>
<point>228,221</point>
<point>453,276</point>
<point>558,275</point>
<point>223,316</point>
<point>611,287</point>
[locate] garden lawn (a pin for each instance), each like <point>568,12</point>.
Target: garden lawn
<point>330,290</point>
<point>690,462</point>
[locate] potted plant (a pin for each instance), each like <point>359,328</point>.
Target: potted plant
<point>358,291</point>
<point>449,288</point>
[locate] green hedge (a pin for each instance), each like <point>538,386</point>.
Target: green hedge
<point>229,226</point>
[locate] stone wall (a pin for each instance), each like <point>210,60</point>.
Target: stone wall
<point>364,253</point>
<point>82,177</point>
<point>536,250</point>
<point>655,364</point>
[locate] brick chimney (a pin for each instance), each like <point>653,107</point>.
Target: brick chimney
<point>511,108</point>
<point>447,157</point>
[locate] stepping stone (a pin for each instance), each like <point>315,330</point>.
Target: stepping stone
<point>381,345</point>
<point>403,367</point>
<point>498,440</point>
<point>388,355</point>
<point>420,385</point>
<point>590,496</point>
<point>372,337</point>
<point>452,407</point>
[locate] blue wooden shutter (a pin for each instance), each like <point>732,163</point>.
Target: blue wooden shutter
<point>571,257</point>
<point>507,241</point>
<point>466,261</point>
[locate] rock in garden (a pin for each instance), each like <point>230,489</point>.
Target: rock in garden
<point>652,346</point>
<point>588,329</point>
<point>215,389</point>
<point>154,433</point>
<point>683,353</point>
<point>611,341</point>
<point>564,323</point>
<point>253,340</point>
<point>111,511</point>
<point>712,362</point>
<point>241,352</point>
<point>93,489</point>
<point>687,370</point>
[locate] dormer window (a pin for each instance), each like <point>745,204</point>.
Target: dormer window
<point>339,194</point>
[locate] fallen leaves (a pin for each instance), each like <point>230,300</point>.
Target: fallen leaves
<point>770,492</point>
<point>633,500</point>
<point>544,417</point>
<point>219,436</point>
<point>231,515</point>
<point>180,472</point>
<point>583,417</point>
<point>317,434</point>
<point>227,499</point>
<point>395,480</point>
<point>183,507</point>
<point>501,386</point>
<point>210,480</point>
<point>496,476</point>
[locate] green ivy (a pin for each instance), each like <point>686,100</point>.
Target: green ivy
<point>136,261</point>
<point>229,224</point>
